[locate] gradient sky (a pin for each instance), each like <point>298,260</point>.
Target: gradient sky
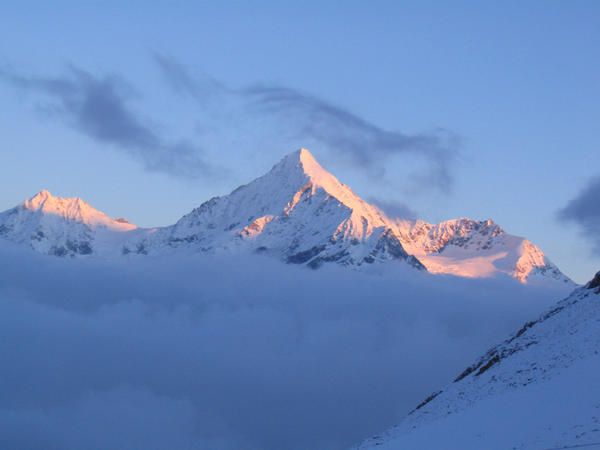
<point>516,83</point>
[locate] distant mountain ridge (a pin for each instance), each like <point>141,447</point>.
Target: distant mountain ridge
<point>61,226</point>
<point>299,213</point>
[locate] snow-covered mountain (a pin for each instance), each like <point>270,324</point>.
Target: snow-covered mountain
<point>62,226</point>
<point>471,248</point>
<point>537,390</point>
<point>297,212</point>
<point>300,213</point>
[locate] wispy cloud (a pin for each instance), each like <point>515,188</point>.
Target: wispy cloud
<point>100,108</point>
<point>394,209</point>
<point>308,117</point>
<point>200,86</point>
<point>584,210</point>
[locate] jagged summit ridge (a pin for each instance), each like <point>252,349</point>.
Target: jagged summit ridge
<point>73,209</point>
<point>61,226</point>
<point>297,212</point>
<point>472,248</point>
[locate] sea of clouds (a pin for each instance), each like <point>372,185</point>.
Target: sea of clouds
<point>231,353</point>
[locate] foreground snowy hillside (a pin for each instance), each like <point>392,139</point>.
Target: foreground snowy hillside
<point>537,390</point>
<point>298,213</point>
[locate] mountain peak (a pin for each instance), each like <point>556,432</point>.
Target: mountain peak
<point>62,226</point>
<point>47,202</point>
<point>302,161</point>
<point>38,199</point>
<point>306,158</point>
<point>311,166</point>
<point>301,168</point>
<point>44,193</point>
<point>72,209</point>
<point>304,154</point>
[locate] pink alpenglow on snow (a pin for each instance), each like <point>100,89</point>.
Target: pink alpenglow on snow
<point>299,213</point>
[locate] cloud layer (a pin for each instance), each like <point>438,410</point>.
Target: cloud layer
<point>195,353</point>
<point>100,108</point>
<point>584,210</point>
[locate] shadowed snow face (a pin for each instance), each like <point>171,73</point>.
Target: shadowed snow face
<point>227,354</point>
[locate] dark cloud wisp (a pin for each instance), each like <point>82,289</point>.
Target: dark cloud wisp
<point>100,108</point>
<point>364,142</point>
<point>584,210</point>
<point>394,209</point>
<point>306,117</point>
<point>199,86</point>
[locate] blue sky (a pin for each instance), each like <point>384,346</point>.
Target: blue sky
<point>513,84</point>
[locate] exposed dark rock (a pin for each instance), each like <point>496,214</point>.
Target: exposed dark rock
<point>414,261</point>
<point>81,248</point>
<point>306,255</point>
<point>595,283</point>
<point>427,400</point>
<point>468,371</point>
<point>84,248</point>
<point>494,360</point>
<point>389,245</point>
<point>320,260</point>
<point>58,251</point>
<point>231,226</point>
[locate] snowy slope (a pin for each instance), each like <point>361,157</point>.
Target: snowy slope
<point>62,226</point>
<point>470,248</point>
<point>537,390</point>
<point>299,213</point>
